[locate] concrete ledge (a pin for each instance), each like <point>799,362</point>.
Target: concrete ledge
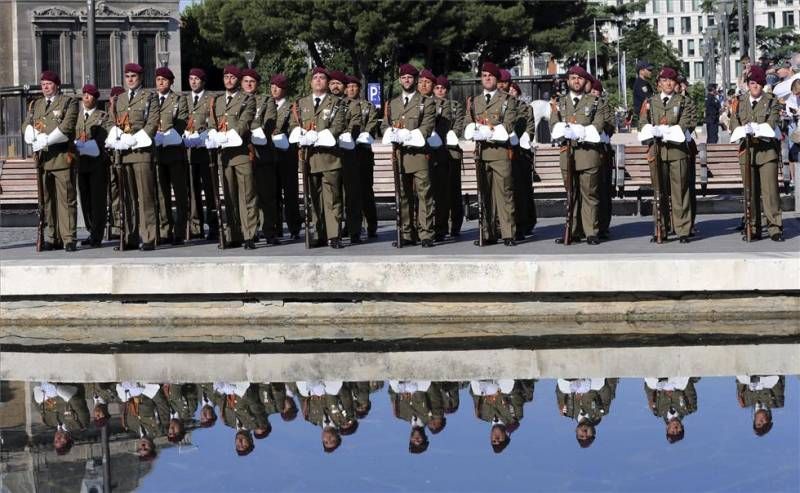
<point>374,275</point>
<point>768,359</point>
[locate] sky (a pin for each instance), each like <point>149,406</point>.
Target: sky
<point>719,453</point>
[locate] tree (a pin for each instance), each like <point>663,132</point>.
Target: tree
<point>778,44</point>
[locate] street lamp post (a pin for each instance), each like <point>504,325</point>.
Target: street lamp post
<point>473,56</point>
<point>163,58</point>
<point>90,34</point>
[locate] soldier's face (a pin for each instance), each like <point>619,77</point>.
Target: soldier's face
<point>498,435</point>
<point>329,439</point>
<point>513,92</point>
<point>196,83</point>
<point>60,440</point>
<point>336,87</point>
<point>230,82</point>
<point>425,86</point>
<point>319,83</point>
<point>595,92</point>
<point>163,84</point>
<point>667,85</point>
<point>761,419</point>
<point>584,432</point>
<point>674,427</point>
<point>276,92</point>
<point>503,85</point>
<point>144,448</point>
<point>352,91</point>
<point>48,88</point>
<point>407,82</point>
<point>88,101</point>
<point>440,91</point>
<point>576,83</point>
<point>249,84</point>
<point>175,428</point>
<point>242,442</point>
<point>132,80</point>
<point>488,81</point>
<point>755,89</point>
<point>416,438</point>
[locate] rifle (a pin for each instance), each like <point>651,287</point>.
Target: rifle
<point>396,157</point>
<point>122,181</point>
<point>569,183</point>
<point>156,161</point>
<point>302,158</point>
<point>187,161</point>
<point>479,175</point>
<point>657,202</point>
<point>37,158</point>
<point>748,188</point>
<point>217,176</point>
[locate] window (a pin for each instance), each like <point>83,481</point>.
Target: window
<point>710,20</point>
<point>670,7</point>
<point>655,25</point>
<point>670,25</point>
<point>654,3</point>
<point>51,52</point>
<point>686,25</point>
<point>690,48</point>
<point>698,70</point>
<point>699,23</point>
<point>102,61</point>
<point>147,58</point>
<point>683,8</point>
<point>771,20</point>
<point>788,18</point>
<point>695,5</point>
<point>685,68</point>
<point>680,47</point>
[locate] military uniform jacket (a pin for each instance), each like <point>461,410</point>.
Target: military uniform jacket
<point>772,398</point>
<point>272,396</point>
<point>352,117</point>
<point>140,114</point>
<point>236,115</point>
<point>525,121</point>
<point>264,115</point>
<point>339,408</point>
<point>173,113</point>
<point>502,109</point>
<point>595,404</point>
<point>277,121</point>
<point>92,129</point>
<point>419,113</point>
<point>767,111</point>
<point>150,415</point>
<point>359,392</point>
<point>678,111</point>
<point>330,115</point>
<point>73,414</point>
<point>450,396</point>
<point>590,110</point>
<point>504,407</point>
<point>197,121</point>
<point>242,412</point>
<point>105,391</point>
<point>62,113</point>
<point>684,401</point>
<point>423,405</point>
<point>182,399</point>
<point>457,125</point>
<point>368,120</point>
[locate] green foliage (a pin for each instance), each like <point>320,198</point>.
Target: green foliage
<point>779,43</point>
<point>697,93</point>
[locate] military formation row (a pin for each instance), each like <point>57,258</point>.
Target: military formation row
<point>163,145</point>
<point>151,410</point>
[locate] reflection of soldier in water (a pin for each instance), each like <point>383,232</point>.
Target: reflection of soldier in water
<point>499,402</point>
<point>672,398</point>
<point>182,402</point>
<point>587,401</point>
<point>277,400</point>
<point>102,394</point>
<point>144,412</point>
<point>241,409</point>
<point>762,394</point>
<point>418,402</point>
<point>361,392</point>
<point>63,407</point>
<point>329,405</point>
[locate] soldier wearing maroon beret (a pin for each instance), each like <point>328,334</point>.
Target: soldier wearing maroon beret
<point>369,127</point>
<point>449,205</point>
<point>90,133</point>
<point>172,172</point>
<point>137,118</point>
<point>522,162</point>
<point>194,137</point>
<point>50,129</point>
<point>667,110</point>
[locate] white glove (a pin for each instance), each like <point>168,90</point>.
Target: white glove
<point>325,138</point>
<point>364,138</point>
<point>40,142</point>
<point>403,135</point>
<point>220,138</point>
<point>415,139</point>
<point>525,140</point>
<point>656,131</point>
<point>346,141</point>
<point>30,134</point>
<point>56,137</point>
<point>579,132</point>
<point>452,139</point>
<point>159,139</point>
<point>258,138</point>
<point>309,138</point>
<point>88,148</point>
<point>388,136</point>
<point>129,140</point>
<point>485,131</point>
<point>280,141</point>
<point>232,139</point>
<point>750,129</point>
<point>569,134</point>
<point>295,134</point>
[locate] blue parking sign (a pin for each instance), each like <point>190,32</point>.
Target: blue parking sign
<point>374,93</point>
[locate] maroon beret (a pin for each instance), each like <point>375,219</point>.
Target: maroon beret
<point>597,85</point>
<point>491,68</point>
<point>165,73</point>
<point>426,73</point>
<point>250,72</point>
<point>117,90</point>
<point>505,75</point>
<point>279,80</point>
<point>233,70</point>
<point>198,72</point>
<point>352,79</point>
<point>668,73</point>
<point>51,76</point>
<point>442,81</point>
<point>579,71</point>
<point>757,75</point>
<point>91,89</point>
<point>320,70</point>
<point>516,87</point>
<point>133,67</point>
<point>408,69</point>
<point>338,75</point>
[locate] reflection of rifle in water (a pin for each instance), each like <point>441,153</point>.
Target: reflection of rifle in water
<point>302,161</point>
<point>37,158</point>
